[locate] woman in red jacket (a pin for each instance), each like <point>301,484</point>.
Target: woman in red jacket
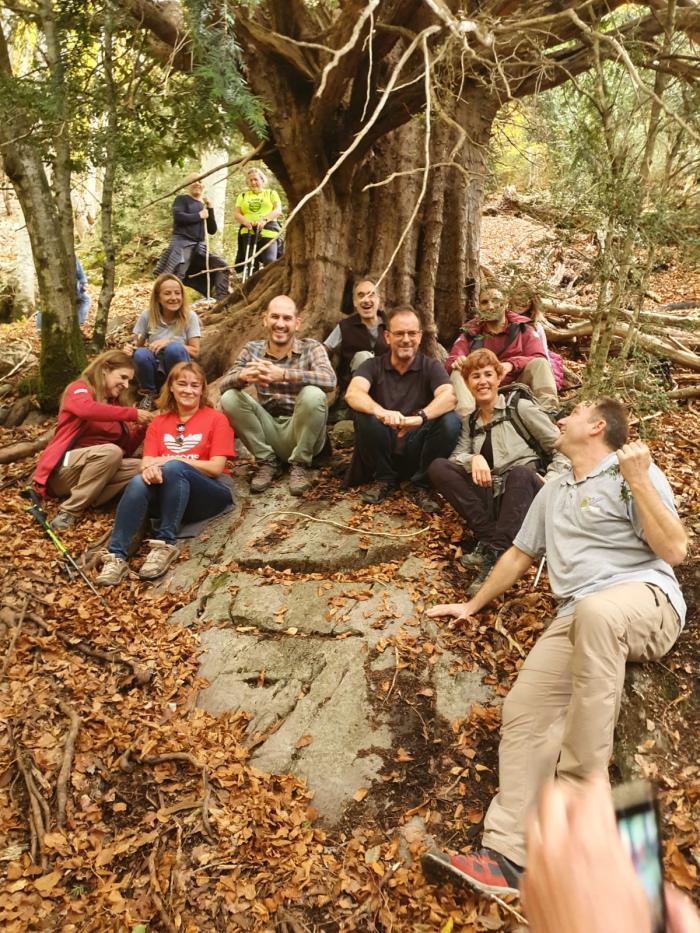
<point>89,459</point>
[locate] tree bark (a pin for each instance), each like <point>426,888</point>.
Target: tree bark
<point>62,354</point>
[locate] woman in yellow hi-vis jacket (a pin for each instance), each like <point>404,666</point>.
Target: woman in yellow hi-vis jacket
<point>257,210</point>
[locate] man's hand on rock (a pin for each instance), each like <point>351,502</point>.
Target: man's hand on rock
<point>457,611</point>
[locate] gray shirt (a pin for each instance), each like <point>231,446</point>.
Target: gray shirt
<point>593,537</point>
<point>167,331</point>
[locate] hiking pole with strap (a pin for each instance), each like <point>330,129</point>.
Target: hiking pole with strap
<point>37,513</point>
<point>206,258</point>
<point>246,260</point>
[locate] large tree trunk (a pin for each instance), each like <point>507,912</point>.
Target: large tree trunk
<point>346,231</point>
<point>49,223</point>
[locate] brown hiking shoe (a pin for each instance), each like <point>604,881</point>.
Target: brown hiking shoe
<point>425,501</point>
<point>64,520</point>
<point>378,491</point>
<point>299,479</point>
<point>266,473</point>
<point>158,559</point>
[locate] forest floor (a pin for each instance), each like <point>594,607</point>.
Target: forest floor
<point>125,805</point>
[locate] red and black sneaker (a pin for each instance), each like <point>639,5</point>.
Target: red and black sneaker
<point>486,870</point>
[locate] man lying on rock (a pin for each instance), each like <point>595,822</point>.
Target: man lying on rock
<point>292,378</point>
<point>404,415</point>
<point>611,534</point>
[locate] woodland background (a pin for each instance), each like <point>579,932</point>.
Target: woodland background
<point>425,143</point>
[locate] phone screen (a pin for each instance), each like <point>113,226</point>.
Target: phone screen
<point>639,829</point>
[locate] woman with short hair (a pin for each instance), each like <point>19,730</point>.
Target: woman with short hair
<point>166,334</point>
<point>183,475</point>
<point>257,210</point>
<point>89,459</point>
<point>503,455</point>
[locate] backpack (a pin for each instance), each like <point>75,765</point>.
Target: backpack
<point>513,394</point>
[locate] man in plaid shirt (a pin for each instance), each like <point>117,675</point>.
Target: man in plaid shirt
<point>292,378</point>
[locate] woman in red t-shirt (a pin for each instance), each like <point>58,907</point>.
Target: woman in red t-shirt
<point>182,475</point>
<point>89,459</point>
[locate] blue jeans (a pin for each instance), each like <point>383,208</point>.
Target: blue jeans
<point>83,302</point>
<point>185,494</point>
<point>391,458</point>
<point>150,368</point>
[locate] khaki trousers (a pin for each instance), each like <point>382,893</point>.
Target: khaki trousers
<point>560,715</point>
<point>537,375</point>
<point>94,475</point>
<point>295,438</point>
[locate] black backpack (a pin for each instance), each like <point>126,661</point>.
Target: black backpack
<point>513,394</point>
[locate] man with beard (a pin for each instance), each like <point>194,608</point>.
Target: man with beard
<point>360,336</point>
<point>292,377</point>
<point>611,534</point>
<point>404,417</point>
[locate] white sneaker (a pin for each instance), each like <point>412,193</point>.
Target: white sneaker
<point>158,559</point>
<point>113,570</point>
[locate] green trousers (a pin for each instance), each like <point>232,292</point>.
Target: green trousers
<point>294,438</point>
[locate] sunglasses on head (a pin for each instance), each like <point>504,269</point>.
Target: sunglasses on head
<point>180,435</point>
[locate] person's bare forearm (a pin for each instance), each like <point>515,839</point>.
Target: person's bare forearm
<point>442,403</point>
<point>361,401</point>
<point>664,532</point>
<point>509,568</point>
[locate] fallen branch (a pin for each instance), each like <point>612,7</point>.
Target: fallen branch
<point>67,762</point>
<point>155,891</point>
<point>141,675</point>
<point>13,640</point>
<point>38,808</point>
<point>357,531</point>
<point>687,392</point>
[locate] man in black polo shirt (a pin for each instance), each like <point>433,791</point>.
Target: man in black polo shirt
<point>404,414</point>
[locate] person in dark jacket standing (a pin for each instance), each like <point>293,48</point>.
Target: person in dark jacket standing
<point>516,344</point>
<point>187,256</point>
<point>89,459</point>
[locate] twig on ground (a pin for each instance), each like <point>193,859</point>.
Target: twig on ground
<point>141,676</point>
<point>13,640</point>
<point>38,808</point>
<point>396,674</point>
<point>156,893</point>
<point>206,788</point>
<point>67,762</point>
<point>357,531</point>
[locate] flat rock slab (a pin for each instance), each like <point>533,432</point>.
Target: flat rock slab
<point>315,690</point>
<point>288,542</point>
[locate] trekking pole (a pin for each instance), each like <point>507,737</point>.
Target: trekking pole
<point>37,513</point>
<point>539,572</point>
<point>246,272</point>
<point>206,259</point>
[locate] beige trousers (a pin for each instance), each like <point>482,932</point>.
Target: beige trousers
<point>537,375</point>
<point>560,715</point>
<point>94,475</point>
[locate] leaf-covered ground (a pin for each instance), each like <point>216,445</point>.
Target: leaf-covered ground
<point>124,807</point>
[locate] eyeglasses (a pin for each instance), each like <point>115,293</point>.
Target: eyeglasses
<point>411,334</point>
<point>180,435</point>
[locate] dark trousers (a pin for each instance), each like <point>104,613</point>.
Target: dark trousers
<point>493,521</point>
<point>392,458</point>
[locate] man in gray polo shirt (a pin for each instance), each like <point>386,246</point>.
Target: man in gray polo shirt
<point>611,534</point>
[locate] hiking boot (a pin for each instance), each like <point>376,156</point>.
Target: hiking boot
<point>474,558</point>
<point>266,473</point>
<point>488,562</point>
<point>378,492</point>
<point>425,501</point>
<point>158,559</point>
<point>146,402</point>
<point>486,870</point>
<point>299,479</point>
<point>113,570</point>
<point>64,520</point>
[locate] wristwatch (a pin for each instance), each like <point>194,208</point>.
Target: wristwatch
<point>422,415</point>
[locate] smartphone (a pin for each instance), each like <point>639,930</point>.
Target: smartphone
<point>637,816</point>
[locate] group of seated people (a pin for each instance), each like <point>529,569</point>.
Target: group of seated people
<point>577,492</point>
